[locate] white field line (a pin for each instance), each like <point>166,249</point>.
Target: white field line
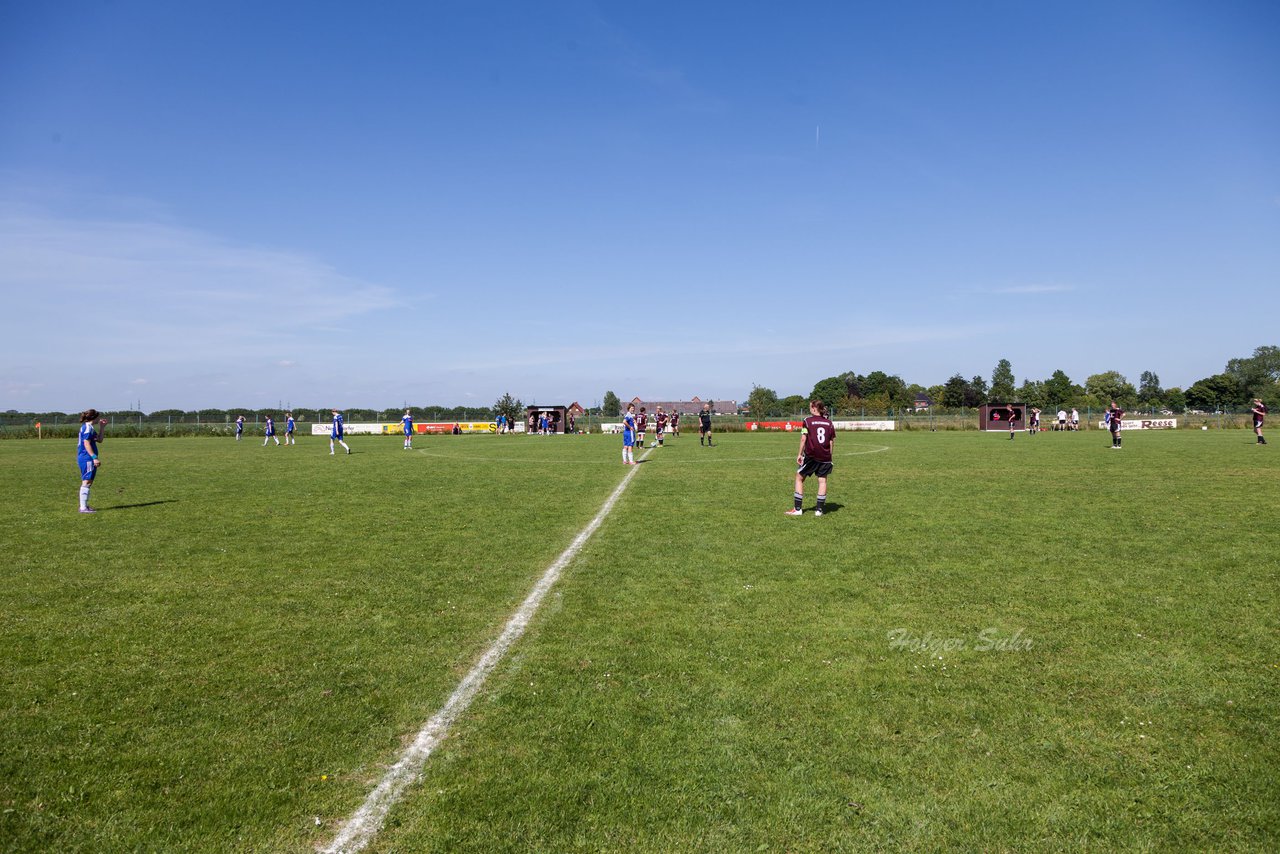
<point>364,824</point>
<point>708,460</point>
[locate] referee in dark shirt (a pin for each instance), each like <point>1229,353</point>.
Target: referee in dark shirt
<point>704,425</point>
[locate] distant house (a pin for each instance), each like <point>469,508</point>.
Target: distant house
<point>688,407</point>
<point>922,402</point>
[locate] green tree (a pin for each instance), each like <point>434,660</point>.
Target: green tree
<point>1032,393</point>
<point>954,392</point>
<point>1059,389</point>
<point>976,394</point>
<point>762,401</point>
<point>1149,389</point>
<point>831,390</point>
<point>611,407</point>
<point>1257,373</point>
<point>853,384</point>
<point>1002,382</point>
<point>1175,399</point>
<point>509,406</point>
<point>880,384</point>
<point>1216,391</point>
<point>1110,385</point>
<point>793,404</point>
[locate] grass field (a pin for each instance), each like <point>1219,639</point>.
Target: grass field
<point>988,645</point>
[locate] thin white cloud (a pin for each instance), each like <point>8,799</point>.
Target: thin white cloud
<point>156,292</point>
<point>1029,289</point>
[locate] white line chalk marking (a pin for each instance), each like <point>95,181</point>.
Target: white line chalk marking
<point>364,824</point>
<point>709,459</point>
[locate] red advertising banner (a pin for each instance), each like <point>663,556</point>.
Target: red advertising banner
<point>774,425</point>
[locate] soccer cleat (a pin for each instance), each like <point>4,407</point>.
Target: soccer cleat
<point>87,510</point>
<point>794,512</point>
<point>817,512</point>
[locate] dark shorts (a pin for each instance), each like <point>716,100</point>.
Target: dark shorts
<point>821,468</point>
<point>704,428</point>
<point>1257,424</point>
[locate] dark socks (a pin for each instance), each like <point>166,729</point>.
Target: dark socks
<point>799,496</point>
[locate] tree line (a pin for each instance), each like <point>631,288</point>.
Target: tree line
<point>1234,387</point>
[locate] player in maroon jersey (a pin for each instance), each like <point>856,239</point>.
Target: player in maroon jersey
<point>642,423</point>
<point>816,437</point>
<point>1013,422</point>
<point>675,423</point>
<point>1259,415</point>
<point>660,424</point>
<point>1115,415</point>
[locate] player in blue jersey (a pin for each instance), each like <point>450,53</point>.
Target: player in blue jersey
<point>407,421</point>
<point>269,428</point>
<point>335,435</point>
<point>87,454</point>
<point>629,435</point>
<point>239,427</point>
<point>289,426</point>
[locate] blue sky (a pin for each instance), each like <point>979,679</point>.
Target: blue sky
<point>360,204</point>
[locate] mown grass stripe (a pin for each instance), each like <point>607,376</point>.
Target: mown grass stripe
<point>364,824</point>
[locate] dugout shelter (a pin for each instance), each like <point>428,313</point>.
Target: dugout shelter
<point>996,416</point>
<point>556,419</point>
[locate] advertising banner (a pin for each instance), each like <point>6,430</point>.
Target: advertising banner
<point>323,428</point>
<point>839,425</point>
<point>865,425</point>
<point>1143,424</point>
<point>397,429</point>
<point>439,427</point>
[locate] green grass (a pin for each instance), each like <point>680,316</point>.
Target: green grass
<point>243,639</point>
